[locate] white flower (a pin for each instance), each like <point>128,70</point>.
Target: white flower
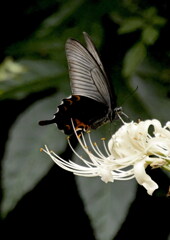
<point>130,150</point>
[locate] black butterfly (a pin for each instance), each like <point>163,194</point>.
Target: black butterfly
<point>93,102</point>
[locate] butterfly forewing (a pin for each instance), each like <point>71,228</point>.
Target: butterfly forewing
<point>86,75</point>
<point>91,48</point>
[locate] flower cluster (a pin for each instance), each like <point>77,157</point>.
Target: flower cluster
<point>130,150</point>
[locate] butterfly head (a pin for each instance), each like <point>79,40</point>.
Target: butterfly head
<point>119,112</point>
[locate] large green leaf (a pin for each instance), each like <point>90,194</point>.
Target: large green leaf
<point>23,164</point>
<point>106,204</point>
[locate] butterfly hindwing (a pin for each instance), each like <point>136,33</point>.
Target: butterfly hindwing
<point>83,111</point>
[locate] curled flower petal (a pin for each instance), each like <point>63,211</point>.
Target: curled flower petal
<point>143,178</point>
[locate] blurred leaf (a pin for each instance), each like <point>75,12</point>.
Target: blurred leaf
<point>169,237</point>
<point>150,35</point>
<point>131,25</point>
<point>152,95</point>
<point>10,69</point>
<point>37,75</point>
<point>152,18</point>
<point>149,13</point>
<point>165,75</point>
<point>106,204</point>
<point>23,164</point>
<point>51,23</point>
<point>133,59</point>
<point>147,21</point>
<point>160,21</point>
<point>51,48</point>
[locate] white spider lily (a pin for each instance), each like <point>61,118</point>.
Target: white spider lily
<point>130,150</point>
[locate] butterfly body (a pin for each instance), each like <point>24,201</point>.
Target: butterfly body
<point>93,102</point>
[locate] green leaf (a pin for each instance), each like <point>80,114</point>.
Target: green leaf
<point>159,21</point>
<point>36,76</point>
<point>106,204</point>
<point>131,25</point>
<point>133,59</point>
<point>151,17</point>
<point>23,164</point>
<point>150,35</point>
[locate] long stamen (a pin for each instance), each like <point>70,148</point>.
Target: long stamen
<point>106,149</point>
<point>79,139</point>
<point>80,157</point>
<point>83,144</point>
<point>69,166</point>
<point>95,147</point>
<point>58,160</point>
<point>121,117</point>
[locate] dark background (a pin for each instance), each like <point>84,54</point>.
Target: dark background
<point>53,208</point>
